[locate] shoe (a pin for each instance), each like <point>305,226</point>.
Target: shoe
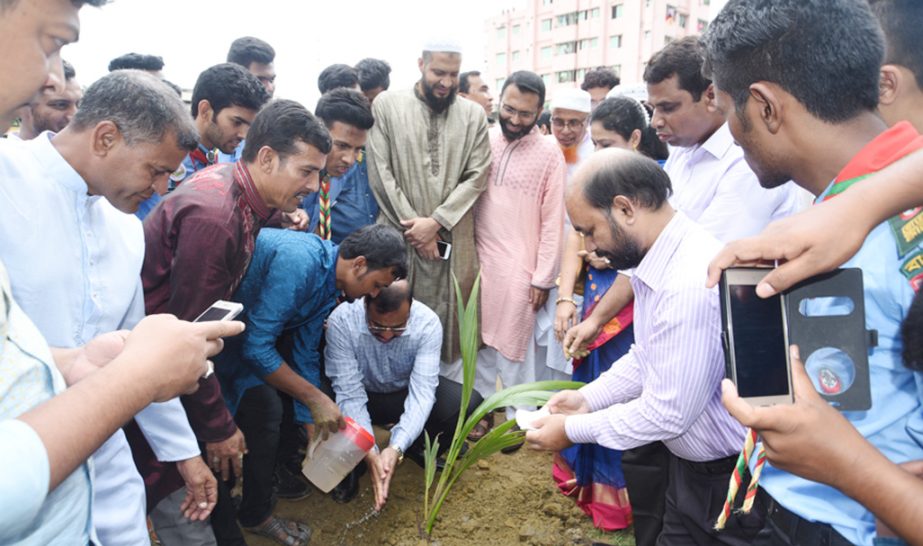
<point>283,531</point>
<point>290,486</point>
<point>481,428</point>
<point>515,447</point>
<point>346,490</point>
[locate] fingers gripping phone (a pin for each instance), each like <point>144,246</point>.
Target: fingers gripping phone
<point>755,339</point>
<point>220,310</point>
<point>444,249</point>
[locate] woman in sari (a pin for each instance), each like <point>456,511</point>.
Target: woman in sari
<point>589,473</point>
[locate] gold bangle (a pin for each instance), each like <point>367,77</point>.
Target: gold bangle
<point>569,300</point>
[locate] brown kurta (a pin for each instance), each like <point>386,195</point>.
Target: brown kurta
<point>423,164</point>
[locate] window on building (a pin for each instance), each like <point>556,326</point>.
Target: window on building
<point>565,48</point>
<point>516,29</point>
<point>701,26</point>
<point>546,52</point>
<point>617,11</point>
<point>580,74</point>
<point>546,25</point>
<point>615,42</point>
<point>515,56</point>
<point>594,13</point>
<point>500,83</point>
<point>501,33</point>
<point>547,2</point>
<point>594,42</point>
<point>683,18</point>
<point>547,79</point>
<point>567,19</point>
<point>565,76</point>
<point>501,59</point>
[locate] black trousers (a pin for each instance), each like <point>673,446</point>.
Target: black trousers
<point>259,417</point>
<point>646,470</point>
<point>785,528</point>
<point>387,408</point>
<point>695,496</point>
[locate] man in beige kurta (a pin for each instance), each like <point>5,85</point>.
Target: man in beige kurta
<point>518,227</point>
<point>428,161</point>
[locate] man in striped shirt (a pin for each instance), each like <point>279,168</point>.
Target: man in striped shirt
<point>667,388</point>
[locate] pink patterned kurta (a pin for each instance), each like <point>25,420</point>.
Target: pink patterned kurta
<point>518,230</point>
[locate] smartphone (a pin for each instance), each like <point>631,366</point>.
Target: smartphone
<point>755,339</point>
<point>221,310</point>
<point>444,249</point>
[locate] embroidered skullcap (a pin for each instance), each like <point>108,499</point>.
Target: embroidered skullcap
<point>572,99</point>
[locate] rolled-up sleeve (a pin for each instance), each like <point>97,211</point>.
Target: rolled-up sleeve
<point>24,480</point>
<point>342,368</point>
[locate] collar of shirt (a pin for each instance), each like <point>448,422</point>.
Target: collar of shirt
<point>243,178</point>
<point>652,267</point>
<point>59,170</point>
<point>718,144</point>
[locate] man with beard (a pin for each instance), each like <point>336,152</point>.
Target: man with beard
<point>225,99</point>
<point>667,387</point>
<point>518,222</point>
<point>429,156</point>
<point>53,108</point>
<point>289,290</point>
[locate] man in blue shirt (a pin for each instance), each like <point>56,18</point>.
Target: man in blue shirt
<point>382,357</point>
<point>291,286</point>
<point>779,73</point>
<point>344,203</point>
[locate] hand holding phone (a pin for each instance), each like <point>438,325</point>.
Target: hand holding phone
<point>220,310</point>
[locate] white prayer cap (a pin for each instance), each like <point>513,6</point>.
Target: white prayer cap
<point>637,91</point>
<point>572,99</point>
<point>442,44</point>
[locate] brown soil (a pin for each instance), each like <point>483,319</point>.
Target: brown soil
<point>507,499</point>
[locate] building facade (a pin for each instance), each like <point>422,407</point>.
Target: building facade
<point>561,39</point>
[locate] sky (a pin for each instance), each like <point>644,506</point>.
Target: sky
<point>308,35</point>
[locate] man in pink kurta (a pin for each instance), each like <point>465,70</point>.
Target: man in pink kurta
<point>518,232</point>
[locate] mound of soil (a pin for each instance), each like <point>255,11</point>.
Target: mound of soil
<point>507,499</point>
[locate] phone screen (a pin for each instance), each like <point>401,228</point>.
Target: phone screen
<point>212,313</point>
<point>759,343</point>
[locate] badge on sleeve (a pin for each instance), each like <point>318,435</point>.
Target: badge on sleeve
<point>912,269</point>
<point>179,174</point>
<point>907,228</point>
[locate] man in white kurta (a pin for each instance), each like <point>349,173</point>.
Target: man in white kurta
<point>428,161</point>
<point>74,261</point>
<point>518,223</point>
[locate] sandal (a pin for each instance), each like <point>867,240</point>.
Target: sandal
<point>481,428</point>
<point>283,531</point>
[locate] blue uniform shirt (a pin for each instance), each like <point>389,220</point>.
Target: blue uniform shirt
<point>352,203</point>
<point>290,286</point>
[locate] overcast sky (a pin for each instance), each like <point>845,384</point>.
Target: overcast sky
<point>308,35</point>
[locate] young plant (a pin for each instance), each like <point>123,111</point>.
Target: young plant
<point>530,394</point>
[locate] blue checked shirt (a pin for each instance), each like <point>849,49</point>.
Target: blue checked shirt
<point>357,363</point>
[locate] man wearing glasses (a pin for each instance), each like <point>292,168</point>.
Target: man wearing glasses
<point>570,112</point>
<point>382,357</point>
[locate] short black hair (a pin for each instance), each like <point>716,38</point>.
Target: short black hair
<point>600,77</point>
<point>228,84</point>
<point>69,71</point>
<point>544,120</point>
<point>634,176</point>
<point>373,73</point>
<point>279,125</point>
<point>825,54</point>
<point>390,298</point>
<point>684,58</point>
<point>526,81</point>
<point>136,61</point>
<point>912,334</point>
<point>248,50</point>
<point>902,23</point>
<point>382,246</point>
<point>624,115</point>
<point>464,86</point>
<point>337,75</point>
<point>346,106</point>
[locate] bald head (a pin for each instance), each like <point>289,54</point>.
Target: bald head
<point>391,298</point>
<point>612,172</point>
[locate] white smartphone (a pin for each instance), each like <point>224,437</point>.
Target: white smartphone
<point>221,310</point>
<point>756,339</point>
<point>444,249</point>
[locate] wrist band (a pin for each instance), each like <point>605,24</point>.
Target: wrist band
<point>569,300</point>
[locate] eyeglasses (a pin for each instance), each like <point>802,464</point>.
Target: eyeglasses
<point>521,114</point>
<point>385,329</point>
<point>572,124</point>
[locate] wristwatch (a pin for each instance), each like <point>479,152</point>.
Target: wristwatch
<point>400,454</point>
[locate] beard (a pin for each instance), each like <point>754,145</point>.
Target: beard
<point>437,104</point>
<point>512,135</point>
<point>625,252</point>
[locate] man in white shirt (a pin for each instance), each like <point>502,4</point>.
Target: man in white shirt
<point>75,261</point>
<point>712,183</point>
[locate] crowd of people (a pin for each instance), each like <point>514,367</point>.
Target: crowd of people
<point>598,225</point>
